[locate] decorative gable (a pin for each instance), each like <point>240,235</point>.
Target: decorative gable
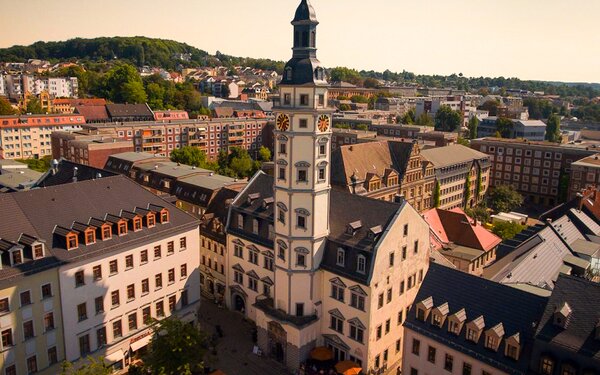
<point>493,336</point>
<point>475,328</point>
<point>439,314</point>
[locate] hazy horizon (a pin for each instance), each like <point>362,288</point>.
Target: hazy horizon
<point>546,40</point>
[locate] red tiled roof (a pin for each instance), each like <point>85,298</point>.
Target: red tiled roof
<point>77,102</point>
<point>92,112</point>
<point>455,226</point>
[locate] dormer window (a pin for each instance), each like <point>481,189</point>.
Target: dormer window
<point>424,308</point>
<point>361,264</point>
<point>562,315</point>
<point>122,228</point>
<point>439,314</point>
<point>106,232</point>
<point>474,329</point>
<point>456,321</point>
<point>493,337</point>
<point>16,257</point>
<point>137,224</point>
<point>164,216</point>
<point>150,220</point>
<point>512,347</point>
<point>341,257</point>
<point>38,251</point>
<point>353,227</point>
<point>90,236</point>
<point>72,241</point>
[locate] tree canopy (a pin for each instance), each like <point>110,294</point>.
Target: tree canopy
<point>447,119</point>
<point>553,128</point>
<point>92,366</point>
<point>123,84</point>
<point>6,108</point>
<point>505,198</point>
<point>473,125</point>
<point>340,74</point>
<point>193,156</point>
<point>504,126</point>
<point>424,119</point>
<point>507,229</point>
<point>176,348</point>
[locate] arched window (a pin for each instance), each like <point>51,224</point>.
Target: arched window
<point>341,257</point>
<point>305,39</point>
<point>361,264</point>
<point>313,39</point>
<point>296,38</point>
<point>288,73</point>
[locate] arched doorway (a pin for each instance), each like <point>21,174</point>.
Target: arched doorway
<point>277,341</point>
<point>239,303</point>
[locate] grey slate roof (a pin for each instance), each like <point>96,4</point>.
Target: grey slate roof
<point>65,173</point>
<point>582,297</point>
<point>518,311</point>
<point>452,154</point>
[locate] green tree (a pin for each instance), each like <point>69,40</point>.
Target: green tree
<point>491,106</point>
<point>371,83</point>
<point>409,117</point>
<point>479,213</point>
<point>467,191</point>
<point>225,91</point>
<point>505,198</point>
<point>505,127</point>
<point>34,106</point>
<point>93,366</point>
<point>40,165</point>
<point>5,108</point>
<point>507,229</point>
<point>553,128</point>
<point>342,126</point>
<point>340,74</point>
<point>240,162</point>
<point>156,95</point>
<point>344,107</point>
<point>364,127</point>
<point>359,99</point>
<point>436,195</point>
<point>424,119</point>
<point>447,119</point>
<point>463,141</point>
<point>176,348</point>
<point>473,125</point>
<point>190,155</point>
<point>264,154</point>
<point>122,84</point>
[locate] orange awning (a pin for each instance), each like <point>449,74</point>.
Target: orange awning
<point>321,353</point>
<point>348,368</point>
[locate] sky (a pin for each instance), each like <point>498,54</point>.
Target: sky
<point>555,40</point>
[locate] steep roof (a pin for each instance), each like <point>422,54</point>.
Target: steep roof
<point>455,226</point>
<point>578,336</point>
<point>92,112</point>
<point>126,110</point>
<point>64,173</point>
<point>518,311</point>
<point>452,154</point>
<point>305,12</point>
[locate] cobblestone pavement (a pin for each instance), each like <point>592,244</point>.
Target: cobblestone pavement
<point>234,349</point>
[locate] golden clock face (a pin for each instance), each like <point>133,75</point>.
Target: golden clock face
<point>283,122</point>
<point>323,123</point>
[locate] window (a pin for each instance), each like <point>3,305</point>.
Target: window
<point>114,298</point>
<point>400,317</point>
<point>11,370</point>
<point>157,252</point>
<point>389,295</point>
<point>253,256</point>
<point>117,329</point>
<point>387,326</point>
<point>184,297</point>
<point>356,333</point>
<point>183,270</point>
<point>337,292</point>
<point>113,267</point>
<point>402,287</point>
<point>52,355</point>
<point>38,251</point>
<point>84,345</point>
<point>336,324</point>
<point>4,305</point>
<point>398,346</point>
<point>414,371</point>
<point>282,173</point>
<point>321,99</point>
<point>467,368</point>
<point>405,230</point>
<point>101,337</point>
<point>357,301</point>
<point>287,98</point>
<point>361,262</point>
<point>171,275</point>
<point>302,175</point>
<point>431,354</point>
<point>28,332</point>
<point>547,366</point>
<point>90,237</point>
<point>238,277</point>
<point>268,263</point>
<point>299,309</point>
<point>146,315</point>
<point>122,228</point>
<point>341,257</point>
<point>145,286</point>
<point>144,256</point>
<point>130,292</point>
<point>99,304</point>
<point>252,284</point>
<point>238,251</point>
<point>303,123</point>
<point>378,331</point>
<point>512,351</point>
<point>491,342</point>
<point>132,321</point>
<point>301,222</point>
<point>300,260</point>
<point>471,335</point>
<point>283,148</point>
<point>7,338</point>
<point>380,301</point>
<point>416,347</point>
<point>129,262</point>
<point>321,174</point>
<point>391,259</point>
<point>403,252</point>
<point>448,362</point>
<point>79,279</point>
<point>32,364</point>
<point>48,321</point>
<point>106,232</point>
<point>322,149</point>
<point>25,298</point>
<point>281,216</point>
<point>416,249</point>
<point>46,291</point>
<point>170,248</point>
<point>303,99</point>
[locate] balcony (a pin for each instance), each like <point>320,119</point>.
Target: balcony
<point>266,306</point>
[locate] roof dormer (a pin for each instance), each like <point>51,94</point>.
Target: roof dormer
<point>424,308</point>
<point>163,213</point>
<point>87,232</point>
<point>493,336</point>
<point>351,228</point>
<point>267,202</point>
<point>512,346</point>
<point>34,245</point>
<point>374,232</point>
<point>252,197</point>
<point>456,321</point>
<point>562,315</point>
<point>475,328</point>
<point>134,219</point>
<point>70,236</point>
<point>439,314</point>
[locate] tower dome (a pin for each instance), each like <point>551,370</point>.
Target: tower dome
<point>305,13</point>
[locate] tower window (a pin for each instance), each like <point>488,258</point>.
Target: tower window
<point>296,38</point>
<point>287,98</point>
<point>322,174</point>
<point>282,173</point>
<point>304,99</point>
<point>303,123</point>
<point>301,222</point>
<point>301,260</point>
<point>321,96</point>
<point>305,39</point>
<point>281,217</point>
<point>313,39</point>
<point>282,148</point>
<point>302,175</point>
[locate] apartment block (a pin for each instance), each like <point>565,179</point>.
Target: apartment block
<point>29,136</point>
<point>534,169</point>
<point>85,148</point>
<point>585,173</point>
